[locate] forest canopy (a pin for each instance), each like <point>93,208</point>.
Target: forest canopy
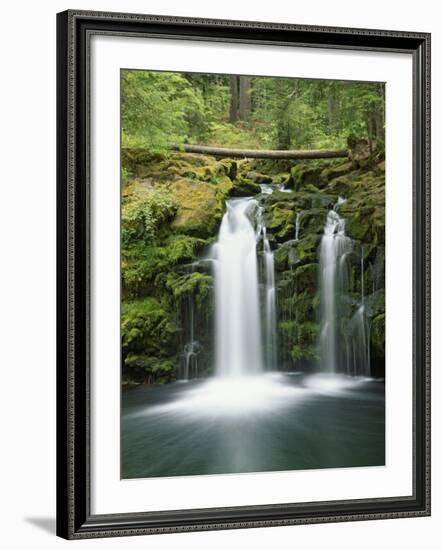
<point>160,108</point>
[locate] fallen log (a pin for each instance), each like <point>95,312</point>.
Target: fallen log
<point>261,153</point>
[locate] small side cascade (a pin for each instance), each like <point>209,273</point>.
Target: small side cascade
<point>190,360</point>
<point>191,348</point>
<point>298,224</point>
<point>270,303</point>
<point>359,361</point>
<point>344,336</point>
<point>194,320</point>
<point>359,348</point>
<point>335,248</point>
<point>269,284</point>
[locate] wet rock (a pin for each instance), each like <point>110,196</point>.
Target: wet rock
<point>259,178</point>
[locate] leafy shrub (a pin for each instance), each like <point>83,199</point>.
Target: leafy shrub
<point>144,214</point>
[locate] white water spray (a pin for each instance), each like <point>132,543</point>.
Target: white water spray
<point>237,322</point>
<point>334,249</point>
<point>270,303</point>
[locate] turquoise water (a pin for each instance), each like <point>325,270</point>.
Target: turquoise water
<point>274,422</point>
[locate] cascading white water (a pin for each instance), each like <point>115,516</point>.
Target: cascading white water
<point>359,352</point>
<point>344,339</point>
<point>298,224</point>
<point>270,332</point>
<point>334,249</point>
<point>237,322</point>
<point>190,351</point>
<point>360,334</point>
<point>270,303</point>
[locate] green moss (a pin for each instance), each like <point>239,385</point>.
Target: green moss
<point>147,325</point>
<point>145,213</point>
<point>149,370</point>
<point>142,263</point>
<point>284,256</point>
<point>280,220</point>
<point>310,172</point>
<point>198,285</point>
<point>312,224</point>
<point>307,247</point>
<point>378,335</point>
<point>305,353</point>
<point>307,277</point>
<point>243,187</point>
<point>328,174</point>
<point>200,206</point>
<point>343,186</point>
<point>148,339</point>
<point>308,333</point>
<point>256,177</point>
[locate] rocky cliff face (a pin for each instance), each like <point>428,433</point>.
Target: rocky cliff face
<point>171,210</point>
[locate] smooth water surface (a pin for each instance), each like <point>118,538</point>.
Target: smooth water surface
<point>259,423</point>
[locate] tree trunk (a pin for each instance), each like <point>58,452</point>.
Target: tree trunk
<point>332,108</point>
<point>261,153</point>
<point>380,115</point>
<point>233,116</point>
<point>245,99</point>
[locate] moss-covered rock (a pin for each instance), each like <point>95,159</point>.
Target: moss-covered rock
<point>319,184</point>
<point>304,354</point>
<point>306,277</point>
<point>146,213</point>
<point>328,174</point>
<point>148,339</point>
<point>142,264</point>
<point>378,335</point>
<point>302,175</point>
<point>147,369</point>
<point>200,206</point>
<point>314,172</point>
<point>198,285</point>
<point>244,187</point>
<point>280,221</point>
<point>256,177</point>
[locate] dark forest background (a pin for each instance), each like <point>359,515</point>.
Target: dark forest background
<point>246,111</point>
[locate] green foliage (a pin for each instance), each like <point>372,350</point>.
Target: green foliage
<point>240,135</point>
<point>143,263</point>
<point>143,215</point>
<point>148,338</point>
<point>160,108</point>
<point>295,113</point>
<point>306,353</point>
<point>198,285</point>
<point>378,335</point>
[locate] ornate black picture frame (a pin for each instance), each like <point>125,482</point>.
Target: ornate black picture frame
<point>74,518</point>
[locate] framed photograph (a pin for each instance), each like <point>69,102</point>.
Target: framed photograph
<point>243,274</point>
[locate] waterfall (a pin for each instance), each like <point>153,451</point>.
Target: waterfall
<point>189,356</point>
<point>334,250</point>
<point>359,352</point>
<point>360,333</point>
<point>298,224</point>
<point>270,303</point>
<point>362,274</point>
<point>190,360</point>
<point>188,365</point>
<point>237,323</point>
<point>344,338</point>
